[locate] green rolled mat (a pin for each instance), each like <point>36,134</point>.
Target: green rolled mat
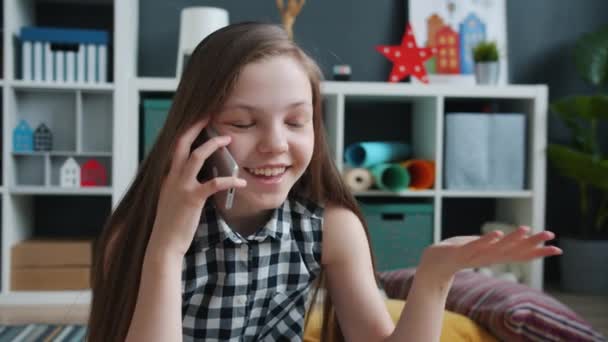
<point>391,177</point>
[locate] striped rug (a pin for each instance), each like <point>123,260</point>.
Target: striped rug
<point>42,333</point>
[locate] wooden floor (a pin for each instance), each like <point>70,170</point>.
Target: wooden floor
<point>594,309</point>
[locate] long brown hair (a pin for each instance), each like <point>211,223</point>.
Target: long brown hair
<point>211,73</point>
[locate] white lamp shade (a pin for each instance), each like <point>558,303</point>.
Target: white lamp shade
<point>196,23</point>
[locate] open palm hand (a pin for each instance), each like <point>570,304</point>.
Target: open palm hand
<point>451,255</point>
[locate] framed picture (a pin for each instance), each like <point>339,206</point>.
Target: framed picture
<point>454,27</point>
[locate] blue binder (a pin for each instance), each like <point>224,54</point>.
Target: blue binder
<point>64,35</point>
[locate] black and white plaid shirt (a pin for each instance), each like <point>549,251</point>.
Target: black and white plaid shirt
<point>253,288</point>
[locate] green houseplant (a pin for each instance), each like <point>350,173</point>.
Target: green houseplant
<point>485,56</point>
<point>485,51</point>
<point>586,245</point>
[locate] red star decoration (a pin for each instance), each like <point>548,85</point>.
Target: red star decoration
<point>407,58</point>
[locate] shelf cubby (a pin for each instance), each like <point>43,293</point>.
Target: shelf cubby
<point>56,162</point>
<point>503,104</point>
<point>96,122</point>
<point>55,217</point>
<point>52,217</point>
<point>29,170</point>
<point>54,108</point>
<point>407,119</point>
<point>94,15</point>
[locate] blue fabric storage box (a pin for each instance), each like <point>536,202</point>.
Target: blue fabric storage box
<point>484,151</point>
<point>399,233</point>
<point>155,114</point>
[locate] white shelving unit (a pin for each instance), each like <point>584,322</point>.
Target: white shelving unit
<point>120,100</point>
<point>87,121</point>
<point>428,106</point>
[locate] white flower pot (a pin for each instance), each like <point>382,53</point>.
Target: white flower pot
<point>487,72</point>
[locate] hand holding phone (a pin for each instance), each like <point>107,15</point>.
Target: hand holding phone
<point>219,164</point>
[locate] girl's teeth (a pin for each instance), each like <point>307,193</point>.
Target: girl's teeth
<point>267,172</point>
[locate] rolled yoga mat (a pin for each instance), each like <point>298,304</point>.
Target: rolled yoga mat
<point>358,179</point>
<point>422,173</point>
<point>390,177</point>
<point>366,154</point>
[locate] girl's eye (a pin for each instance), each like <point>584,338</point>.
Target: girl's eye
<point>295,124</point>
<point>240,125</point>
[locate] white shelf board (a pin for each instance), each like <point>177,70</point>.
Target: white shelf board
<point>486,194</point>
<point>81,2</point>
<point>62,86</point>
<point>386,89</point>
<point>64,154</point>
<point>65,298</point>
<point>168,84</point>
<point>56,190</point>
<point>406,193</point>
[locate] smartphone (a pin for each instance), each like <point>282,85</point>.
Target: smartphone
<point>219,164</point>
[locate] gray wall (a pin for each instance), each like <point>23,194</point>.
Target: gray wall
<point>331,31</point>
<point>541,34</point>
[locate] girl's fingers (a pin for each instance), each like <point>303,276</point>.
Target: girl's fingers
<point>513,238</point>
<point>220,184</point>
<point>539,252</point>
<point>486,239</point>
<point>528,248</point>
<point>516,235</point>
<point>535,243</point>
<point>201,154</point>
<point>540,238</point>
<point>184,144</point>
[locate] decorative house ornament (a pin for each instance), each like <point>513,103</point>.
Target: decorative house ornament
<point>407,58</point>
<point>23,137</point>
<point>69,174</point>
<point>93,174</point>
<point>43,138</point>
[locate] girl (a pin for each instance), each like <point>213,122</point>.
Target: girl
<point>175,264</point>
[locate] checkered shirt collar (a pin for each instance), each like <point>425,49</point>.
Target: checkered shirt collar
<point>214,229</point>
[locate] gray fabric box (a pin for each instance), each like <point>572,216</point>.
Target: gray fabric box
<point>484,151</point>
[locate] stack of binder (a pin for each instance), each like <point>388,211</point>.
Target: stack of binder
<point>64,55</point>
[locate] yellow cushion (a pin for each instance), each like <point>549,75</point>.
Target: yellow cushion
<point>456,327</point>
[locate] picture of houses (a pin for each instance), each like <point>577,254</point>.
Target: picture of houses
<point>448,51</point>
<point>472,31</point>
<point>454,27</point>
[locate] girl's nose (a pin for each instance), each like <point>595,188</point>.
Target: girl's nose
<point>273,140</point>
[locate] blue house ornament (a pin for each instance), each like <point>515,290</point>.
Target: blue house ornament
<point>23,137</point>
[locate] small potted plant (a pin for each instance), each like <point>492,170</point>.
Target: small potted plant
<point>585,246</point>
<point>485,56</point>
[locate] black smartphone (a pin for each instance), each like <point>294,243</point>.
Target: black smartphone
<point>219,164</point>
